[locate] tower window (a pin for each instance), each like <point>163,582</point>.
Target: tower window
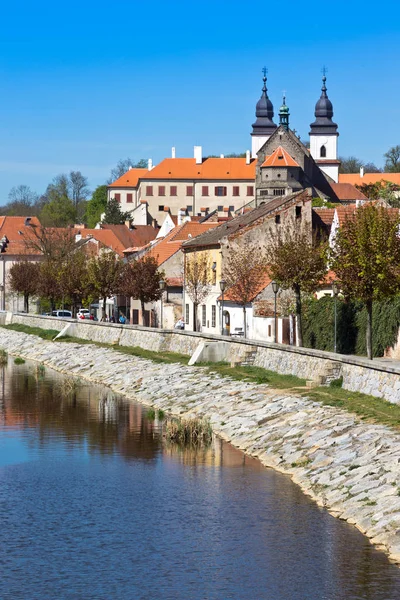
<point>298,212</point>
<point>322,152</point>
<point>277,219</point>
<point>279,192</point>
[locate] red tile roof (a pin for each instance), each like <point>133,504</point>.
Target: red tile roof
<point>138,235</point>
<point>347,191</point>
<point>356,179</point>
<point>18,233</point>
<point>325,214</point>
<point>279,158</point>
<point>129,179</point>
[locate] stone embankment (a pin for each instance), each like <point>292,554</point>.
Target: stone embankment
<point>350,467</point>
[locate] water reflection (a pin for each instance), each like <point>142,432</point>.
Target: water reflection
<point>94,504</point>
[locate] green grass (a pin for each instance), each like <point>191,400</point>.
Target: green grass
<point>366,407</point>
<point>19,361</point>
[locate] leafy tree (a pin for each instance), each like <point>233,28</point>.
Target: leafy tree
<point>366,258</point>
<point>297,262</point>
<point>244,273</point>
<point>49,281</point>
<point>96,206</point>
<point>73,278</point>
<point>385,190</point>
<point>104,274</point>
<point>113,213</point>
<point>24,279</point>
<point>123,165</point>
<point>392,163</point>
<point>140,280</point>
<point>197,280</point>
<point>59,212</point>
<point>79,187</point>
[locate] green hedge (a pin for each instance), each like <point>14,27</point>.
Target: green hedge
<point>318,325</point>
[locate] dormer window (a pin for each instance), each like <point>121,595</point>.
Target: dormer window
<point>323,152</point>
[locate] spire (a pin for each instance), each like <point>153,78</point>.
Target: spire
<point>264,124</point>
<point>284,114</point>
<point>323,112</point>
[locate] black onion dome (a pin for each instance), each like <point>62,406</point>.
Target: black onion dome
<point>323,114</point>
<point>264,113</point>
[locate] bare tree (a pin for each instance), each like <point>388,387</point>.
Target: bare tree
<point>392,163</point>
<point>197,280</point>
<point>123,165</point>
<point>244,272</point>
<point>79,187</point>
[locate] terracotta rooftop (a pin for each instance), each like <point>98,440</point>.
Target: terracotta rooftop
<point>17,233</point>
<point>325,214</point>
<point>186,168</point>
<point>347,191</point>
<point>356,179</point>
<point>138,235</point>
<point>229,295</point>
<point>279,158</point>
<point>229,228</point>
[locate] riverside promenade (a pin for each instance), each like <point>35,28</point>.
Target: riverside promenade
<point>349,467</point>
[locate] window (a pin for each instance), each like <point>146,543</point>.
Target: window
<point>189,190</point>
<point>189,208</point>
<point>173,190</point>
<point>298,212</point>
<point>231,208</point>
<point>129,198</point>
<point>117,197</point>
<point>203,315</point>
<point>161,190</point>
<point>220,207</point>
<point>187,314</point>
<point>220,190</point>
<point>149,190</point>
<point>277,219</point>
<point>279,192</point>
<point>161,207</point>
<point>269,331</point>
<point>204,190</point>
<point>250,190</point>
<point>213,315</point>
<point>235,191</point>
<point>322,152</point>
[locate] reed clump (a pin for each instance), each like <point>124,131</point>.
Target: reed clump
<point>3,358</point>
<point>188,431</point>
<point>67,387</point>
<point>40,370</point>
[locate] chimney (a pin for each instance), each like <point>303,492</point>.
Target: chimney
<point>27,222</point>
<point>247,157</point>
<point>181,214</point>
<point>154,223</point>
<point>150,164</point>
<point>221,156</point>
<point>361,171</point>
<point>173,152</point>
<point>198,154</point>
<point>78,236</point>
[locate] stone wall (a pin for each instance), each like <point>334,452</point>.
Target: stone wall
<point>359,374</point>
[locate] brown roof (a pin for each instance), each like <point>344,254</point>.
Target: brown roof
<point>347,191</point>
<point>325,214</point>
<point>348,212</point>
<point>213,237</point>
<point>138,235</point>
<point>17,233</point>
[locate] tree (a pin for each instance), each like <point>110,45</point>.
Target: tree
<point>24,278</point>
<point>113,213</point>
<point>49,281</point>
<point>392,163</point>
<point>73,278</point>
<point>96,206</point>
<point>366,258</point>
<point>104,274</point>
<point>141,280</point>
<point>59,212</point>
<point>123,165</point>
<point>244,273</point>
<point>297,262</point>
<point>197,280</point>
<point>79,187</point>
<point>370,167</point>
<point>385,190</point>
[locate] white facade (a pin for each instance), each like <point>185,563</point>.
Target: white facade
<point>257,141</point>
<point>324,148</point>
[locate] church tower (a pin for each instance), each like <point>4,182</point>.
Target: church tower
<point>264,126</point>
<point>324,135</point>
<point>284,114</point>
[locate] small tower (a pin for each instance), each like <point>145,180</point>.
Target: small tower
<point>284,114</point>
<point>324,134</point>
<point>264,126</point>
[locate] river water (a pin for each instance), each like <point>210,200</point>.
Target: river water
<point>95,505</point>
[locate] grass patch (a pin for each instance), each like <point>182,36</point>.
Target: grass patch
<point>256,375</point>
<point>45,334</point>
<point>151,414</point>
<point>160,415</point>
<point>19,361</point>
<point>3,358</point>
<point>336,383</point>
<point>188,431</point>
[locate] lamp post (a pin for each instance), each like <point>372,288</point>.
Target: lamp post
<point>275,289</point>
<point>222,285</point>
<point>335,290</point>
<point>162,284</point>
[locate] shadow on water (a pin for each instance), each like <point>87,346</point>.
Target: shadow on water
<point>94,504</point>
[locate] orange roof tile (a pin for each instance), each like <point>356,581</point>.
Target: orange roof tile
<point>265,280</point>
<point>279,158</point>
<point>347,191</point>
<point>355,179</point>
<point>186,168</point>
<point>18,233</point>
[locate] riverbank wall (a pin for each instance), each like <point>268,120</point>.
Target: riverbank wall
<point>350,467</point>
<point>377,378</point>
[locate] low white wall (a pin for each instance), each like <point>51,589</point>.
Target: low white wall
<point>359,374</point>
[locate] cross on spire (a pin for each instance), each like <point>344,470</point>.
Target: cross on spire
<point>324,71</point>
<point>264,70</point>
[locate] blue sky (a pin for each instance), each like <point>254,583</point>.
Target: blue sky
<point>83,84</point>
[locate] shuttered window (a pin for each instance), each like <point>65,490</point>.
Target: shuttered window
<point>149,190</point>
<point>161,190</point>
<point>129,198</point>
<point>117,197</point>
<point>250,190</point>
<point>204,190</point>
<point>173,191</point>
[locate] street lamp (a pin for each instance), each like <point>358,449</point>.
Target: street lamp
<point>222,285</point>
<point>335,290</point>
<point>275,289</point>
<point>162,285</point>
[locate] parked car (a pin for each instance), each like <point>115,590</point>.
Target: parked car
<point>84,313</point>
<point>66,314</point>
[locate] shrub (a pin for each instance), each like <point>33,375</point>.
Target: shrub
<point>188,431</point>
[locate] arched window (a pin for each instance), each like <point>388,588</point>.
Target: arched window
<point>323,152</point>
